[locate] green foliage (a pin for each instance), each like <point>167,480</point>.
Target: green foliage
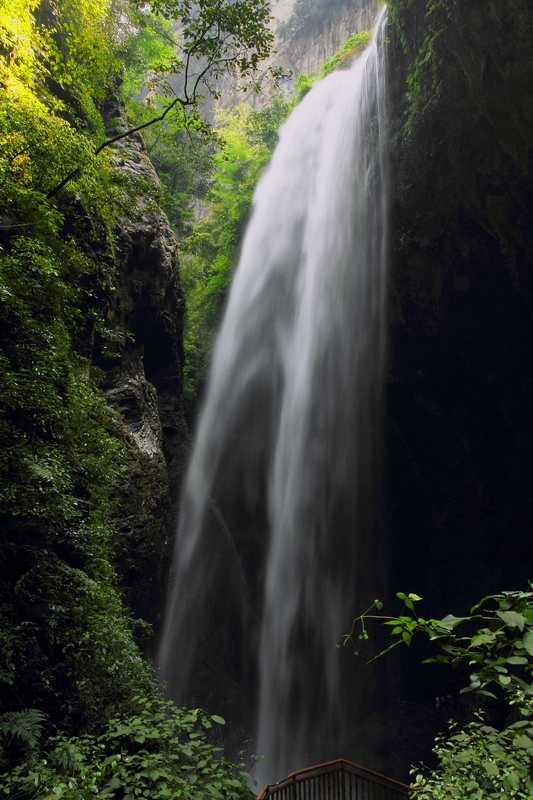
<point>66,646</point>
<point>304,82</point>
<point>481,762</point>
<point>70,54</point>
<point>67,55</point>
<point>65,638</point>
<point>495,643</point>
<point>216,36</point>
<point>247,138</point>
<point>25,725</point>
<point>344,56</point>
<point>82,61</point>
<point>148,47</point>
<point>158,752</point>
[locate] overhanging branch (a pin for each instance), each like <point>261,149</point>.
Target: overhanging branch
<point>76,172</point>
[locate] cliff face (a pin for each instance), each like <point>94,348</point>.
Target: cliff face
<point>143,383</point>
<point>459,445</point>
<point>461,383</point>
<point>305,41</point>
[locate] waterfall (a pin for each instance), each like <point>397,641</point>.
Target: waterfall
<point>278,539</point>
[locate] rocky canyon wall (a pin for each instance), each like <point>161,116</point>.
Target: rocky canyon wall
<point>459,413</point>
<point>304,41</point>
<point>461,377</point>
<point>145,308</point>
<point>306,35</point>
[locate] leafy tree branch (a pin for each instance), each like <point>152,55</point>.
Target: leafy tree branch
<point>495,642</point>
<point>214,36</point>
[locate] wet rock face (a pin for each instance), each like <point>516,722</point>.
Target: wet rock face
<point>461,375</point>
<point>144,383</point>
<point>459,414</point>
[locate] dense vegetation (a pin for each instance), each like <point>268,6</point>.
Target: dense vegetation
<point>80,710</point>
<point>158,751</point>
<point>67,649</point>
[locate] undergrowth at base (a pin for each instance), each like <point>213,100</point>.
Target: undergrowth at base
<point>159,752</point>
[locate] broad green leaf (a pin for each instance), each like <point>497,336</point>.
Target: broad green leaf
<point>512,619</point>
<point>517,660</point>
<point>514,780</point>
<point>451,621</point>
<point>528,642</point>
<point>483,638</point>
<point>491,768</point>
<point>218,719</point>
<point>523,740</point>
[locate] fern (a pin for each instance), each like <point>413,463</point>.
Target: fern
<point>25,725</point>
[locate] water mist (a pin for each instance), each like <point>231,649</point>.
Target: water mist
<point>278,539</point>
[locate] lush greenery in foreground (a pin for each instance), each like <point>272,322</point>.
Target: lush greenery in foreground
<point>158,752</point>
<point>494,646</point>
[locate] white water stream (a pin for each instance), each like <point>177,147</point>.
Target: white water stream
<point>290,426</point>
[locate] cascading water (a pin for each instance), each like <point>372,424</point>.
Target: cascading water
<point>278,540</point>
